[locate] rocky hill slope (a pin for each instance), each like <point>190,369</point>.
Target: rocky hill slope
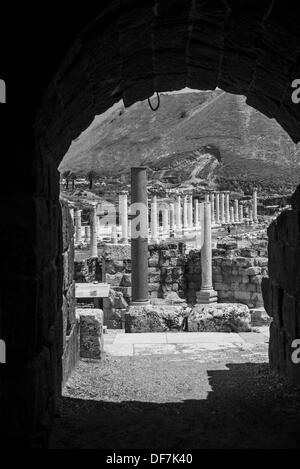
<point>198,139</point>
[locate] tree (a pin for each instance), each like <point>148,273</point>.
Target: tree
<point>91,176</point>
<point>66,175</point>
<point>73,178</point>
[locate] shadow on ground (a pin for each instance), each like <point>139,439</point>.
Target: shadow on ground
<point>246,406</point>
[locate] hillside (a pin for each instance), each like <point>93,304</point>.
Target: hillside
<point>195,138</point>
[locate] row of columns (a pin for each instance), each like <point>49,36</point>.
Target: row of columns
<point>175,217</point>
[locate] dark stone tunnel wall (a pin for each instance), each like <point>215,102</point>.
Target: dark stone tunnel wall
<point>131,50</point>
<point>281,290</point>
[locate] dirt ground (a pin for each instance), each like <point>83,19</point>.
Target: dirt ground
<point>228,400</point>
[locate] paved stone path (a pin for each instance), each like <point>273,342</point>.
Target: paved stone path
<point>179,391</point>
<point>193,344</point>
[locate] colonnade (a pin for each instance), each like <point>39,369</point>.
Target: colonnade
<point>165,219</point>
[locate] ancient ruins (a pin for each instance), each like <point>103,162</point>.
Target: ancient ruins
<point>88,273</point>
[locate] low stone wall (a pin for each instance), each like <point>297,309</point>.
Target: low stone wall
<point>281,291</point>
<point>70,326</point>
<point>237,274</point>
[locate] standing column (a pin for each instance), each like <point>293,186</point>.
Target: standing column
<point>172,219</point>
<point>165,220</point>
<point>185,212</point>
<point>178,215</point>
<point>99,231</point>
<point>87,234</point>
<point>139,243</point>
<point>196,214</point>
<point>231,214</point>
<point>254,205</point>
<point>123,215</point>
<point>207,294</point>
<point>190,211</point>
<point>217,208</point>
<point>222,214</point>
<point>227,207</point>
<point>236,210</point>
<point>78,235</point>
<point>241,213</point>
<point>251,215</point>
<point>154,220</point>
<point>212,203</point>
<point>206,197</point>
<point>94,231</point>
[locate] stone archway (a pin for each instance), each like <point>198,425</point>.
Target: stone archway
<point>130,51</point>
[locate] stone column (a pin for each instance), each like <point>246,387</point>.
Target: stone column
<point>178,215</point>
<point>114,235</point>
<point>172,219</point>
<point>251,215</point>
<point>196,207</point>
<point>241,213</point>
<point>254,205</point>
<point>165,220</point>
<point>217,207</point>
<point>212,203</point>
<point>94,232</point>
<point>207,294</point>
<point>139,244</point>
<point>236,210</point>
<point>190,211</point>
<point>227,207</point>
<point>206,197</point>
<point>222,211</point>
<point>154,220</point>
<point>87,234</point>
<point>123,215</point>
<point>78,235</point>
<point>231,214</point>
<point>185,212</point>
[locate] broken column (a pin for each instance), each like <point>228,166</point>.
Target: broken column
<point>94,231</point>
<point>139,237</point>
<point>123,214</point>
<point>207,294</point>
<point>254,205</point>
<point>78,235</point>
<point>154,220</point>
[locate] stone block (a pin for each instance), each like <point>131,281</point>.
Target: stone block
<point>220,317</point>
<point>126,280</point>
<point>91,332</point>
<point>114,280</point>
<point>159,317</point>
<point>253,271</point>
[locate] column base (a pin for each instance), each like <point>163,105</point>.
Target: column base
<point>207,296</point>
